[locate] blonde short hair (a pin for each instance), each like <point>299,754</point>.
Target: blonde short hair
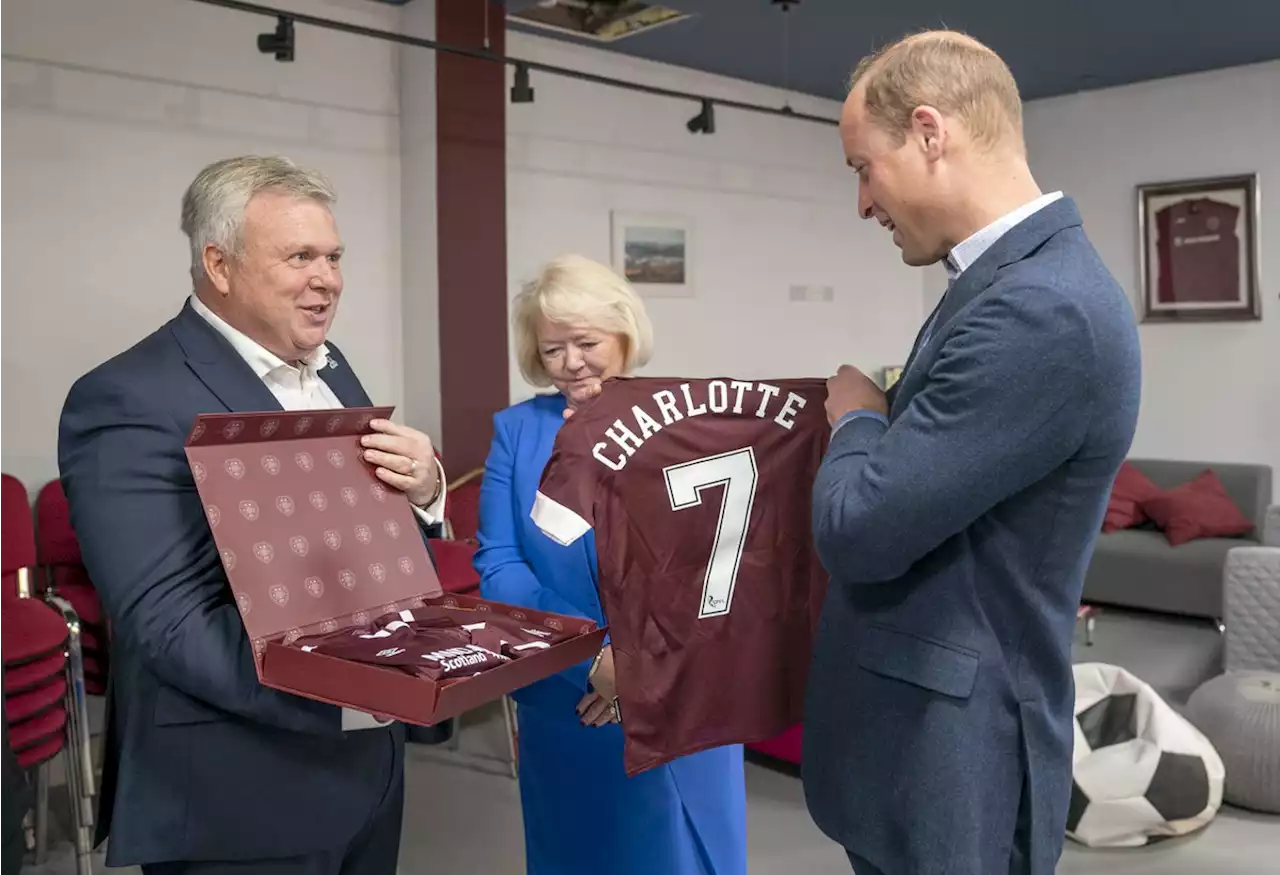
<point>950,71</point>
<point>574,290</point>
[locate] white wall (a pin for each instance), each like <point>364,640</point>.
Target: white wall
<point>418,239</point>
<point>771,199</point>
<point>109,111</point>
<point>1210,391</point>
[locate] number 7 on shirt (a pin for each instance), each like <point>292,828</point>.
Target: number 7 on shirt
<point>736,472</point>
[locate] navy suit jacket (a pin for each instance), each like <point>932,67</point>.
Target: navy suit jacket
<point>957,536</point>
<point>203,761</point>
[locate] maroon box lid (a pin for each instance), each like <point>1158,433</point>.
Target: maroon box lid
<point>309,536</point>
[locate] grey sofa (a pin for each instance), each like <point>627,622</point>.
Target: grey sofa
<point>1136,568</point>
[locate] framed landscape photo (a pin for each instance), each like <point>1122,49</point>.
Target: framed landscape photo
<point>1198,250</point>
<point>654,253</point>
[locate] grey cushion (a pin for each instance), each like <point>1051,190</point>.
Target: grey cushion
<point>1240,715</point>
<point>1253,609</point>
<point>1138,569</point>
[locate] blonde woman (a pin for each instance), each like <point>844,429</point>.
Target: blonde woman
<point>575,325</point>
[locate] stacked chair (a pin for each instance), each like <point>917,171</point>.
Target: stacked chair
<point>455,552</point>
<point>58,553</point>
<point>454,561</point>
<point>464,508</point>
<point>44,690</point>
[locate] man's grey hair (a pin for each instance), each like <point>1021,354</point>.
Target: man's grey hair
<point>214,204</point>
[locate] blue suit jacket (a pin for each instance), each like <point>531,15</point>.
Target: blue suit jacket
<point>687,817</point>
<point>957,537</point>
<point>206,762</point>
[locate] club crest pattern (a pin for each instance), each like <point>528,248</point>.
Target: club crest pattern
<point>310,540</point>
<point>267,481</point>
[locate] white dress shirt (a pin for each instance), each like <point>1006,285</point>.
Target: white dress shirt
<point>300,388</point>
<point>957,262</point>
<point>968,251</point>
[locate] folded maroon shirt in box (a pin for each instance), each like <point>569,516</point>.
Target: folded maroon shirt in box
<point>493,631</point>
<point>510,636</point>
<point>429,651</point>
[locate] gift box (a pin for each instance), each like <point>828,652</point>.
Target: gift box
<point>313,542</point>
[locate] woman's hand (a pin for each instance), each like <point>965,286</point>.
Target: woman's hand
<point>579,395</point>
<point>595,710</point>
<point>597,707</point>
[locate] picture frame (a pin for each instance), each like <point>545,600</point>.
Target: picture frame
<point>1198,246</point>
<point>654,252</point>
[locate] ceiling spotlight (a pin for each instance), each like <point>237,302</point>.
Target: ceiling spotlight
<point>705,121</point>
<point>281,42</point>
<point>520,91</point>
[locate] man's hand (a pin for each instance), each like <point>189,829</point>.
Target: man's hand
<point>849,390</point>
<point>405,460</point>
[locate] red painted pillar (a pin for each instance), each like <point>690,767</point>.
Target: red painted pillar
<point>471,214</point>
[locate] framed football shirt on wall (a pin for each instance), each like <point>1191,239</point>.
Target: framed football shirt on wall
<point>1198,250</point>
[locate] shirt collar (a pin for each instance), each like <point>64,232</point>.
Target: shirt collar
<point>261,359</point>
<point>968,251</point>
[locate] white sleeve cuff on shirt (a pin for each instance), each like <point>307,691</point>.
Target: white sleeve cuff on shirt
<point>353,720</point>
<point>434,512</point>
<point>557,521</point>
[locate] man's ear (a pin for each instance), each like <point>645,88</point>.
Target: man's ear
<point>217,266</point>
<point>929,131</point>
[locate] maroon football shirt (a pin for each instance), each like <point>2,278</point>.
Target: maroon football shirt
<point>1199,252</point>
<point>426,650</point>
<point>699,492</point>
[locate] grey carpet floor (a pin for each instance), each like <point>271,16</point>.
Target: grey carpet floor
<point>446,791</point>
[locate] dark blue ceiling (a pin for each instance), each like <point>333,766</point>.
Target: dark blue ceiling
<point>1061,47</point>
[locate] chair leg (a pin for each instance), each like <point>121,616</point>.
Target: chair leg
<point>79,760</point>
<point>455,737</point>
<point>509,717</point>
<point>42,812</point>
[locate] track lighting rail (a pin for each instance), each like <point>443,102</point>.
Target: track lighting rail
<point>286,19</point>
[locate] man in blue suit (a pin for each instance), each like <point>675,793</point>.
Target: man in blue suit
<point>957,512</point>
<point>207,770</point>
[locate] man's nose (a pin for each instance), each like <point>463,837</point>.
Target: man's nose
<point>866,207</point>
<point>325,274</point>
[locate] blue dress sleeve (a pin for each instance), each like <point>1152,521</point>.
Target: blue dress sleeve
<point>505,573</point>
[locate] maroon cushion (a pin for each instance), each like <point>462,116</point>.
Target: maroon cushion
<point>71,582</point>
<point>34,673</point>
<point>1130,490</point>
<point>1199,509</point>
<point>17,533</point>
<point>29,733</point>
<point>31,630</point>
<point>38,753</point>
<point>56,541</point>
<point>454,565</point>
<point>93,639</point>
<point>35,701</point>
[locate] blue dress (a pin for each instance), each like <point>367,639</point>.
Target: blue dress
<point>582,814</point>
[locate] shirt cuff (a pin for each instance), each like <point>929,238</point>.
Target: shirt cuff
<point>433,513</point>
<point>353,720</point>
<point>857,414</point>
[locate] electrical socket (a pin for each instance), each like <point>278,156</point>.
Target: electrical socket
<point>819,294</point>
